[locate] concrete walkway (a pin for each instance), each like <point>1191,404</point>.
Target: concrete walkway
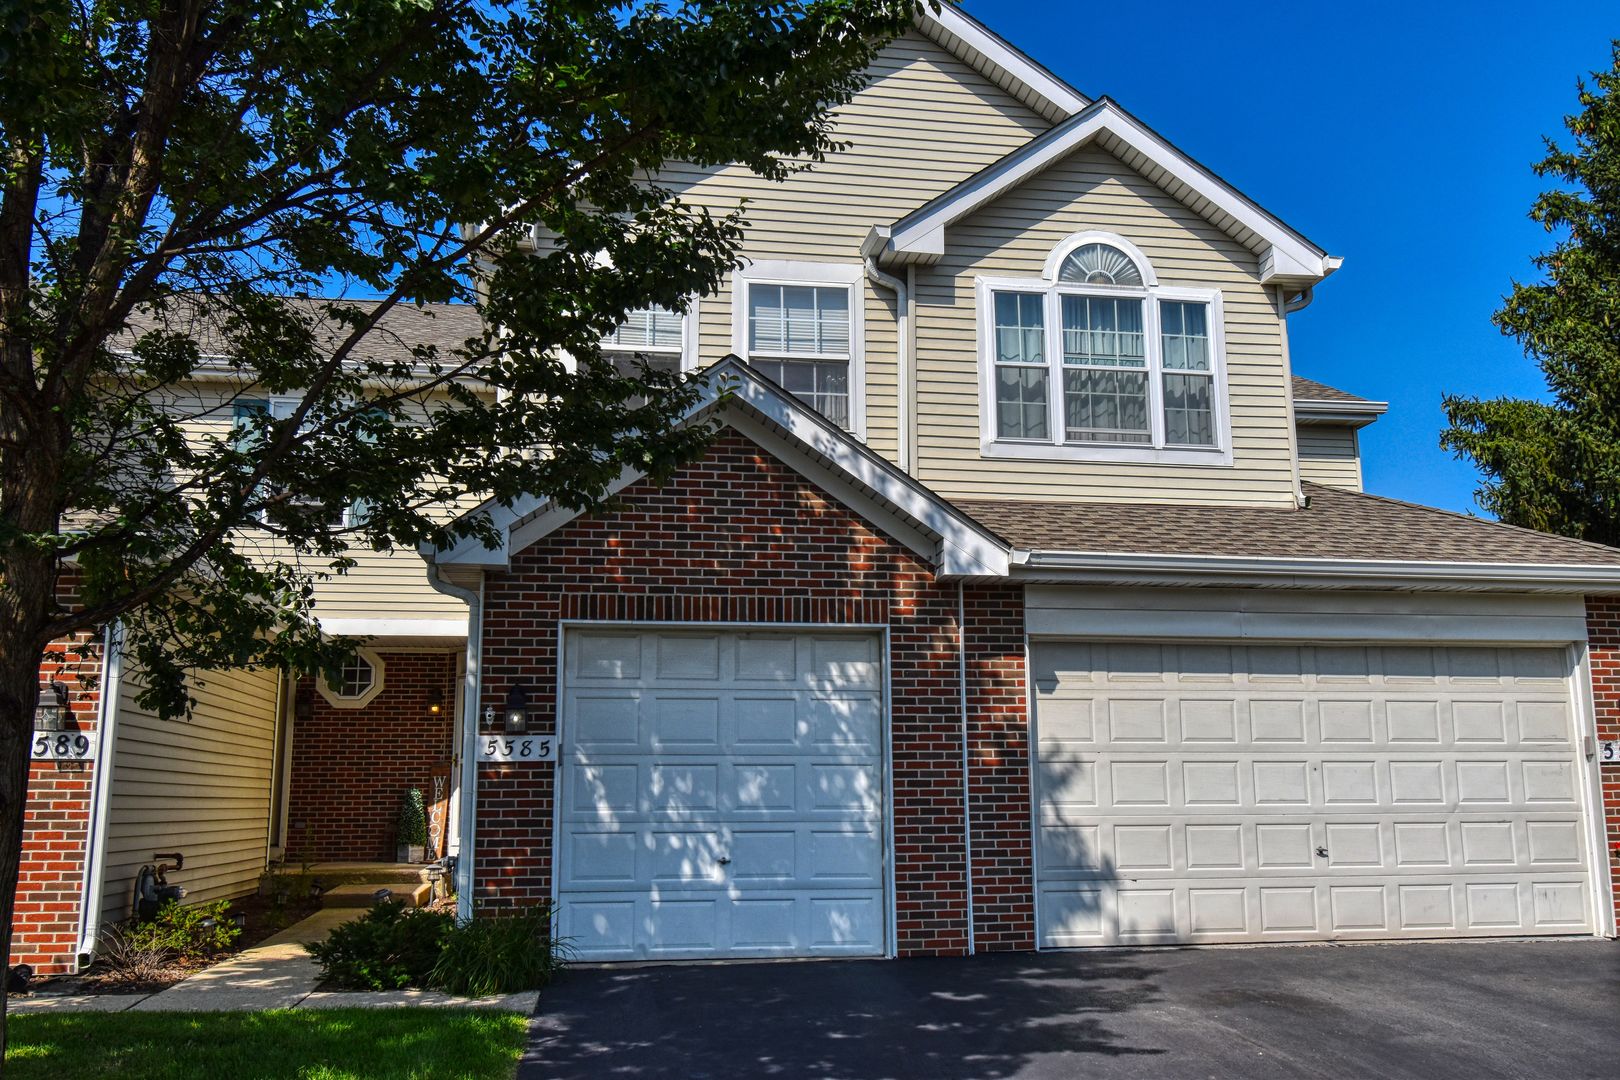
<point>277,973</point>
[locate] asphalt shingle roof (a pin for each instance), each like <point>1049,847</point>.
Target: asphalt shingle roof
<point>1311,390</point>
<point>1339,525</point>
<point>400,329</point>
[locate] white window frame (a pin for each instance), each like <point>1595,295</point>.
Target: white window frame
<point>837,275</point>
<point>281,406</point>
<point>1151,293</point>
<point>687,350</point>
<point>338,701</point>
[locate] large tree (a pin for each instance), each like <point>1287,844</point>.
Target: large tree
<point>1554,464</point>
<point>174,174</point>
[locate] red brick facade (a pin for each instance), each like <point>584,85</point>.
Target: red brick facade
<point>56,823</point>
<point>742,538</point>
<point>351,766</point>
<point>1603,652</point>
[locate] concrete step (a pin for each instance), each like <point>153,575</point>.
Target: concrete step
<point>381,873</point>
<point>364,894</point>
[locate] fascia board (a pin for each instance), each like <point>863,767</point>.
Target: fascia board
<point>1114,568</point>
<point>1287,257</point>
<point>1059,95</point>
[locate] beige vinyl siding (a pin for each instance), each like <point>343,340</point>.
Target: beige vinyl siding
<point>200,786</point>
<point>925,122</point>
<point>382,584</point>
<point>1011,238</point>
<point>1330,454</point>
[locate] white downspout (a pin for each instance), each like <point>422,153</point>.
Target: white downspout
<point>902,396</point>
<point>1284,308</point>
<point>967,787</point>
<point>467,791</point>
<point>95,863</point>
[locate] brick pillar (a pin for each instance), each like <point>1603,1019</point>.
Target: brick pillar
<point>56,821</point>
<point>1603,651</point>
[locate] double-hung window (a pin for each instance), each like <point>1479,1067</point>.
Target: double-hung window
<point>655,336</point>
<point>246,414</point>
<point>1097,360</point>
<point>799,325</point>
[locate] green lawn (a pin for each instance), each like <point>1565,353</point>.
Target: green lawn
<point>310,1044</point>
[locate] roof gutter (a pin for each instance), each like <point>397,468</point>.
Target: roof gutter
<point>1114,568</point>
<point>467,790</point>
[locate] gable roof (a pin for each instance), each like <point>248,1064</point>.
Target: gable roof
<point>998,60</point>
<point>1318,403</point>
<point>824,453</point>
<point>1287,257</point>
<point>1344,535</point>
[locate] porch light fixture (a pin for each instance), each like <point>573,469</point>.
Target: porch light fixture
<point>517,710</point>
<point>435,702</point>
<point>53,717</point>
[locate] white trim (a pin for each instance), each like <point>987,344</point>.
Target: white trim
<point>1595,812</point>
<point>1032,743</point>
<point>1157,451</point>
<point>850,276</point>
<point>453,630</point>
<point>891,914</point>
<point>988,53</point>
<point>965,548</point>
<point>1061,253</point>
<point>466,793</point>
<point>1107,567</point>
<point>359,701</point>
<point>95,857</point>
<point>1286,258</point>
<point>967,765</point>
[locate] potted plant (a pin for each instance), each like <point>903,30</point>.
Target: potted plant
<point>412,828</point>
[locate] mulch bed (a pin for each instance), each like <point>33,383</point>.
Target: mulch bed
<point>262,923</point>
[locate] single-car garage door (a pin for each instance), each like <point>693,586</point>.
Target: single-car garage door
<point>1215,793</point>
<point>722,795</point>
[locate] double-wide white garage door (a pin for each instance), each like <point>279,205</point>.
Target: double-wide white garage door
<point>1232,793</point>
<point>721,795</point>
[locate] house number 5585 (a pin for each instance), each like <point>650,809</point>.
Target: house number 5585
<point>518,748</point>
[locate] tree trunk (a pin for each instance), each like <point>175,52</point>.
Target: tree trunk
<point>27,599</point>
<point>19,694</point>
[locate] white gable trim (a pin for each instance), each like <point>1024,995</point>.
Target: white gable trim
<point>993,57</point>
<point>1286,257</point>
<point>964,548</point>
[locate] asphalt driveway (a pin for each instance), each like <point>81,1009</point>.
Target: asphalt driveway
<point>1468,1011</point>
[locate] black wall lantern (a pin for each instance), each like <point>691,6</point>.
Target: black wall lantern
<point>53,716</point>
<point>517,710</point>
<point>435,702</point>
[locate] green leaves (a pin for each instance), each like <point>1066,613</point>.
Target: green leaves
<point>179,179</point>
<point>1555,466</point>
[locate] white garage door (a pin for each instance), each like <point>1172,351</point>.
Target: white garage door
<point>1213,793</point>
<point>722,795</point>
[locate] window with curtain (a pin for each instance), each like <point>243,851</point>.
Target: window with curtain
<point>1189,375</point>
<point>799,335</point>
<point>1105,377</point>
<point>1098,355</point>
<point>1021,375</point>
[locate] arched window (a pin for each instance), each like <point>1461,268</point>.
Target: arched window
<point>1096,359</point>
<point>1100,264</point>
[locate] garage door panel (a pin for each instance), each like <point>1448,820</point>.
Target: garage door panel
<point>723,795</point>
<point>1303,792</point>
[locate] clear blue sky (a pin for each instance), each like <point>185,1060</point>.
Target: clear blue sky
<point>1397,135</point>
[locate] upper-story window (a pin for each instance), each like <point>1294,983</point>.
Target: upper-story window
<point>1096,360</point>
<point>800,324</point>
<point>661,338</point>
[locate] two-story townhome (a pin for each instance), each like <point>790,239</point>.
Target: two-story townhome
<point>1027,599</point>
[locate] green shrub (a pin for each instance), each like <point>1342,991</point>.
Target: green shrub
<point>191,933</point>
<point>499,954</point>
<point>412,821</point>
<point>390,947</point>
